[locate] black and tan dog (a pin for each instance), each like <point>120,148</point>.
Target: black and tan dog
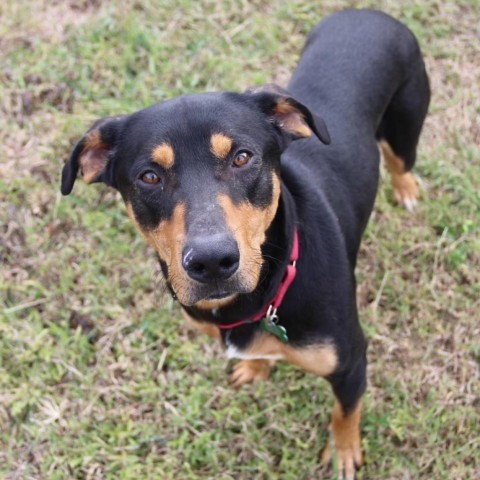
<point>256,202</point>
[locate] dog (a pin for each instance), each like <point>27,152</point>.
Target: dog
<point>256,202</point>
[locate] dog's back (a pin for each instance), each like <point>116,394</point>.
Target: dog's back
<point>352,64</point>
<point>361,71</point>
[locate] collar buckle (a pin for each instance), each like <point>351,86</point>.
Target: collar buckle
<point>271,315</point>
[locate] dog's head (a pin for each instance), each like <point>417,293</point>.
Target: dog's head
<point>200,178</point>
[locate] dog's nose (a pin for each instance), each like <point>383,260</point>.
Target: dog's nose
<point>213,257</point>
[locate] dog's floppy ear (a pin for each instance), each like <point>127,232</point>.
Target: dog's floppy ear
<point>290,115</point>
<point>92,154</point>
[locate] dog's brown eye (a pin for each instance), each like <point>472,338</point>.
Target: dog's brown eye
<point>150,177</point>
<point>242,158</point>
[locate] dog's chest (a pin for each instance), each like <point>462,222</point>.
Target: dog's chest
<point>320,359</point>
<point>261,346</point>
<point>233,352</point>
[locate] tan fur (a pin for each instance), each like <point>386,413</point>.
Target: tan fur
<point>291,119</point>
<point>164,155</point>
<point>405,188</point>
<point>132,217</point>
<point>220,145</point>
<point>202,327</point>
<point>168,240</point>
<point>248,371</point>
<point>318,359</point>
<point>94,156</point>
<point>248,224</point>
<point>346,433</point>
<point>211,304</point>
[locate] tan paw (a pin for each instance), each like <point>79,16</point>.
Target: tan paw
<point>405,190</point>
<point>248,371</point>
<point>347,459</point>
<point>345,442</point>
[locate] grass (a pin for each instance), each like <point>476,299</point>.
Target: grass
<point>99,378</point>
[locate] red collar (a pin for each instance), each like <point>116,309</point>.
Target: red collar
<point>270,311</point>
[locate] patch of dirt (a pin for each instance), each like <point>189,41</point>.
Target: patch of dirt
<point>47,21</point>
<point>25,102</point>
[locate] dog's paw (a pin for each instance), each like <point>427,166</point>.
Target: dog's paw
<point>405,190</point>
<point>248,371</point>
<point>348,458</point>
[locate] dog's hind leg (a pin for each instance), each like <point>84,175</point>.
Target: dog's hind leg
<point>404,185</point>
<point>399,132</point>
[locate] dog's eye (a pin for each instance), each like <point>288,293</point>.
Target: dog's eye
<point>150,177</point>
<point>242,158</point>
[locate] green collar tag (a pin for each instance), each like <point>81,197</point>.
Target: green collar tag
<point>267,325</point>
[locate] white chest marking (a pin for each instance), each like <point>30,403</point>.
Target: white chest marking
<point>233,352</point>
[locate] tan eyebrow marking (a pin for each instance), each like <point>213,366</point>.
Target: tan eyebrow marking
<point>220,145</point>
<point>164,155</point>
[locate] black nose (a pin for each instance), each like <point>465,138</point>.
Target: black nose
<point>213,257</point>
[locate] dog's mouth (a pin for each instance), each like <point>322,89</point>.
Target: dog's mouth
<point>220,295</point>
<point>210,296</point>
<point>216,300</point>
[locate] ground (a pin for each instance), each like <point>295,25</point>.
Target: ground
<point>99,377</point>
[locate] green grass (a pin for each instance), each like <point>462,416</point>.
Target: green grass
<point>99,378</point>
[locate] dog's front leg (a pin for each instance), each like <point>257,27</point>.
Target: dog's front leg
<point>347,442</point>
<point>345,423</point>
<point>202,327</point>
<point>247,371</point>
